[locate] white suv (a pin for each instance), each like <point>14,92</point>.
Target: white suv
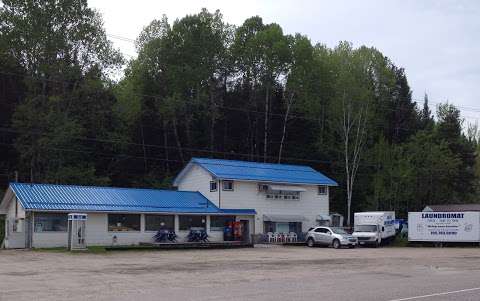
<point>330,236</point>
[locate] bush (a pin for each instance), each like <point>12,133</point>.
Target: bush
<point>399,241</point>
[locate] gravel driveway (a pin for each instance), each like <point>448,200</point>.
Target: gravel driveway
<point>275,273</point>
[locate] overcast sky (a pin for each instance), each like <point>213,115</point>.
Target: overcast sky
<point>437,42</point>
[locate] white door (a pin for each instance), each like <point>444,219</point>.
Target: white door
<point>15,235</point>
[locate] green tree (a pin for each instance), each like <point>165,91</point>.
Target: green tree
<point>66,56</point>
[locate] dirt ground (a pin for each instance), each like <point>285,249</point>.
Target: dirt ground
<point>261,273</point>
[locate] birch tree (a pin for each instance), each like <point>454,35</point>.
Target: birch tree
<point>354,133</point>
<point>351,112</point>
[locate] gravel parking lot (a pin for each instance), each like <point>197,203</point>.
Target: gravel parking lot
<point>273,273</point>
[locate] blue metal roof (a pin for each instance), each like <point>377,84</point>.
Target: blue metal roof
<point>268,172</point>
<point>109,199</point>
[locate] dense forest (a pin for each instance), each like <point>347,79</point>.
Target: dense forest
<point>202,87</point>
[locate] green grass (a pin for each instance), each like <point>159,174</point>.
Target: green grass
<point>399,242</point>
<point>90,250</point>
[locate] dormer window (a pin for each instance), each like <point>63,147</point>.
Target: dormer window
<point>227,185</point>
<point>322,190</point>
<point>213,186</point>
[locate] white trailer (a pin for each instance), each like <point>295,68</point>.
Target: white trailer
<point>444,226</point>
<point>374,228</point>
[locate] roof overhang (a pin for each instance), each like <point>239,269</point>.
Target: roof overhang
<point>286,188</point>
<point>275,182</point>
<point>284,218</point>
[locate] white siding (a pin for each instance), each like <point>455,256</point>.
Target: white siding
<point>198,179</point>
<point>246,196</point>
<point>97,234</point>
<point>15,239</point>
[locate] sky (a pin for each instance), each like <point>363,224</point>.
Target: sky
<point>436,41</point>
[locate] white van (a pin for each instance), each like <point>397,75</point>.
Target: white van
<point>374,228</point>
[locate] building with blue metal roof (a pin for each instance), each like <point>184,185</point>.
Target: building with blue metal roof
<point>37,214</point>
<point>256,171</point>
<point>287,198</point>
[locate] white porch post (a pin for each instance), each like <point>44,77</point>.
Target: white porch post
<point>207,224</point>
<point>176,224</point>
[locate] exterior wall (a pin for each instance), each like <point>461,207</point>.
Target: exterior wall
<point>97,233</point>
<point>245,195</point>
<point>198,179</point>
<point>15,225</point>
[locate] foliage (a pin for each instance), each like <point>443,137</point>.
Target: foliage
<point>202,87</point>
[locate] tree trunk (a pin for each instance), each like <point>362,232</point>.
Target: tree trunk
<point>165,145</point>
<point>284,131</point>
<point>144,149</point>
<point>177,139</point>
<point>353,145</point>
<point>265,129</point>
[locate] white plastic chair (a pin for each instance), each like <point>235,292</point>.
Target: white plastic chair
<point>276,237</point>
<point>293,237</point>
<point>270,237</point>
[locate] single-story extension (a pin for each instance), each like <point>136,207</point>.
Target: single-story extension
<point>36,215</point>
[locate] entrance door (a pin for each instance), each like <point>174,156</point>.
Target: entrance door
<point>15,234</point>
<point>245,230</point>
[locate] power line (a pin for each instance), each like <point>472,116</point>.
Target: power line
<point>383,106</point>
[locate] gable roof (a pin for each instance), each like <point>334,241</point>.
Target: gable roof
<point>255,171</point>
<point>43,197</point>
<point>452,207</point>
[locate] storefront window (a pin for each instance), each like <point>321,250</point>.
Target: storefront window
<point>192,222</point>
<point>273,227</point>
<point>159,222</point>
<point>50,222</point>
<point>218,223</point>
<point>124,222</point>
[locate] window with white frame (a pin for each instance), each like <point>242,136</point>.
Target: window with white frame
<point>322,190</point>
<point>50,222</point>
<point>192,222</point>
<point>213,186</point>
<point>155,222</point>
<point>227,185</point>
<point>282,195</point>
<point>124,222</point>
<point>218,223</point>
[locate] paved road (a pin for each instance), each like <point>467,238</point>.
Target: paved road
<point>282,273</point>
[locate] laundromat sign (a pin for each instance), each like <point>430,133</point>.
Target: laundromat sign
<point>444,226</point>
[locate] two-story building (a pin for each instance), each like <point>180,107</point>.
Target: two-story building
<point>286,198</point>
<point>228,200</point>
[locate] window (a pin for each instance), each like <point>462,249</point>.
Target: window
<point>124,222</point>
<point>227,185</point>
<point>322,230</point>
<point>50,222</point>
<point>322,190</point>
<point>159,222</point>
<point>282,195</point>
<point>268,227</point>
<point>213,186</point>
<point>218,223</point>
<point>195,222</point>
